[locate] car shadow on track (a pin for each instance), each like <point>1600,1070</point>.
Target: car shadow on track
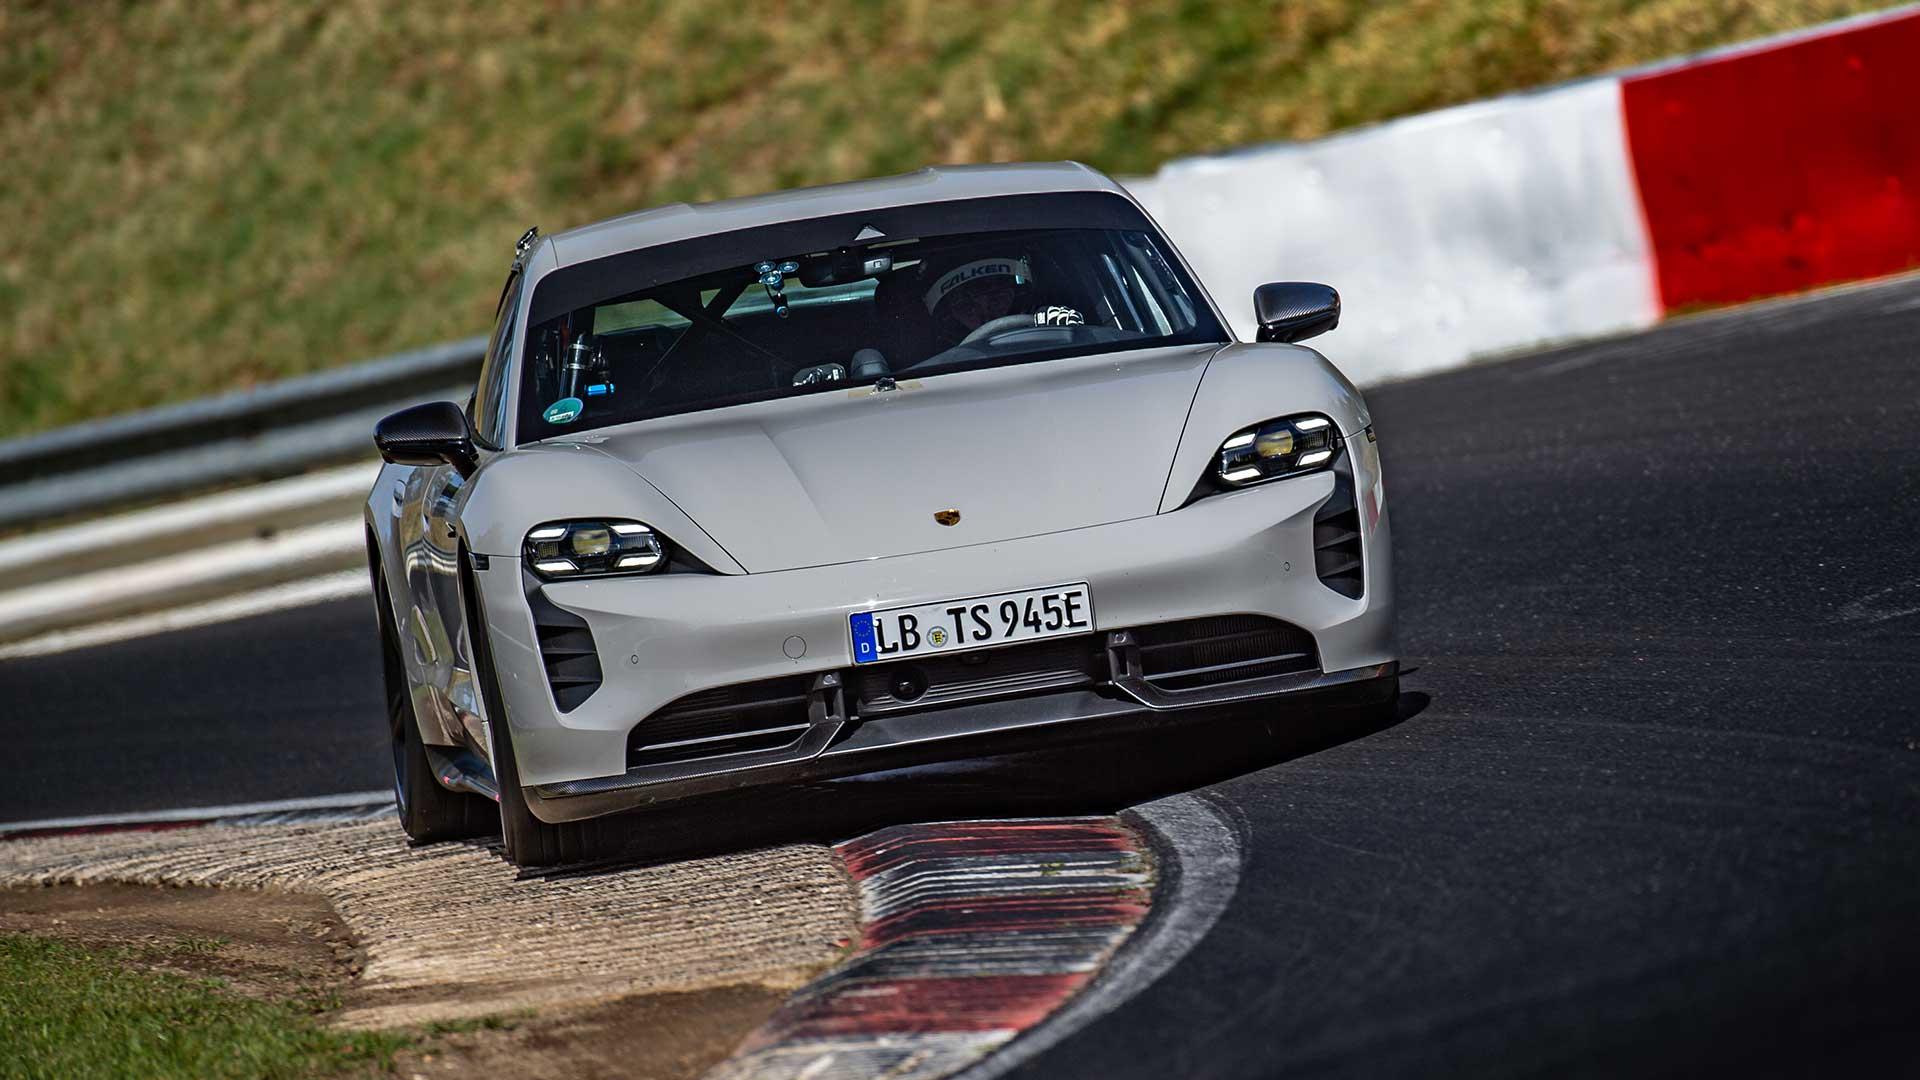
<point>1093,776</point>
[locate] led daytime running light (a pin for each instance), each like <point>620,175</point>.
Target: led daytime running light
<point>1288,446</point>
<point>593,548</point>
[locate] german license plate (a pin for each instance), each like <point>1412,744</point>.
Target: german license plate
<point>973,623</point>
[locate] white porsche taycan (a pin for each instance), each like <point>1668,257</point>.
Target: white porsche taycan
<point>827,481</point>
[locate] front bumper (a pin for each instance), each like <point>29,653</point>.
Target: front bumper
<point>662,638</point>
<point>837,746</point>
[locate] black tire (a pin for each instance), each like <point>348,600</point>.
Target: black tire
<point>428,812</point>
<point>529,841</point>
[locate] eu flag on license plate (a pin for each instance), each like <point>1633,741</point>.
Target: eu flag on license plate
<point>861,624</point>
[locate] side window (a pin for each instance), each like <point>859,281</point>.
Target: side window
<point>489,410</point>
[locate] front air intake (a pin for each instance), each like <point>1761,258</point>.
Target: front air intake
<point>1336,536</point>
<point>1195,653</point>
<point>566,651</point>
<point>1009,671</point>
<point>738,719</point>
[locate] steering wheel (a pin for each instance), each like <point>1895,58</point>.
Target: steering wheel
<point>997,326</point>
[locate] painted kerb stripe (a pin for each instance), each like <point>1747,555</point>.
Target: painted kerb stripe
<point>972,933</point>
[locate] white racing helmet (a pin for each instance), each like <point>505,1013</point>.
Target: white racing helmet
<point>978,270</point>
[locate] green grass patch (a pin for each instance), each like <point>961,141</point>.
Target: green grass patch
<point>72,1013</point>
<point>203,196</point>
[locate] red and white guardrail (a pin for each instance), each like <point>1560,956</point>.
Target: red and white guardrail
<point>1584,209</point>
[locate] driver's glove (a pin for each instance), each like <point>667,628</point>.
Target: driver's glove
<point>1058,316</point>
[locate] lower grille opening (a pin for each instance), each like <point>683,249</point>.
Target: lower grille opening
<point>1336,537</point>
<point>933,681</point>
<point>1193,653</point>
<point>767,715</point>
<point>566,651</point>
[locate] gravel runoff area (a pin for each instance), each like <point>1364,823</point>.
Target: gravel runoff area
<point>452,931</point>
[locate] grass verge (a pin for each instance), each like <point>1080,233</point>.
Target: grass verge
<point>69,1012</point>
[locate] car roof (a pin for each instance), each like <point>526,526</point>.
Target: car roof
<point>684,221</point>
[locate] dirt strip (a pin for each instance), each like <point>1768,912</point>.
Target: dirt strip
<point>452,931</point>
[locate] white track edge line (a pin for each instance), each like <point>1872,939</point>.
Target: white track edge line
<point>343,801</point>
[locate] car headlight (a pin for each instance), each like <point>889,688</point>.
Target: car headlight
<point>1289,446</point>
<point>570,549</point>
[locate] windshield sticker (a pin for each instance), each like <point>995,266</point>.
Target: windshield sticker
<point>564,411</point>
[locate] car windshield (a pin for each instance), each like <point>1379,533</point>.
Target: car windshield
<point>799,322</point>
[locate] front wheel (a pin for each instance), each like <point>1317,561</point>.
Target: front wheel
<point>528,840</point>
<point>428,812</point>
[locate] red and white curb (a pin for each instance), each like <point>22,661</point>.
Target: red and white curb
<point>972,933</point>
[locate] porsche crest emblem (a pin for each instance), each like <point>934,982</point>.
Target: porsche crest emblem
<point>947,517</point>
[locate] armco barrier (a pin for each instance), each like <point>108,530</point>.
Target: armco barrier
<point>112,542</point>
<point>275,430</point>
<point>186,553</point>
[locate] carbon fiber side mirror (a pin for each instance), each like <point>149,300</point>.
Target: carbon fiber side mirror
<point>430,434</point>
<point>1295,310</point>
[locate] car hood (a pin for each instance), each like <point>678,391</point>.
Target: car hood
<point>839,476</point>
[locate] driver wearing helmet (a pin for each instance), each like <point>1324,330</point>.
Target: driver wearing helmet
<point>974,294</point>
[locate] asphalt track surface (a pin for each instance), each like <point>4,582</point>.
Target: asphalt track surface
<point>1652,803</point>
